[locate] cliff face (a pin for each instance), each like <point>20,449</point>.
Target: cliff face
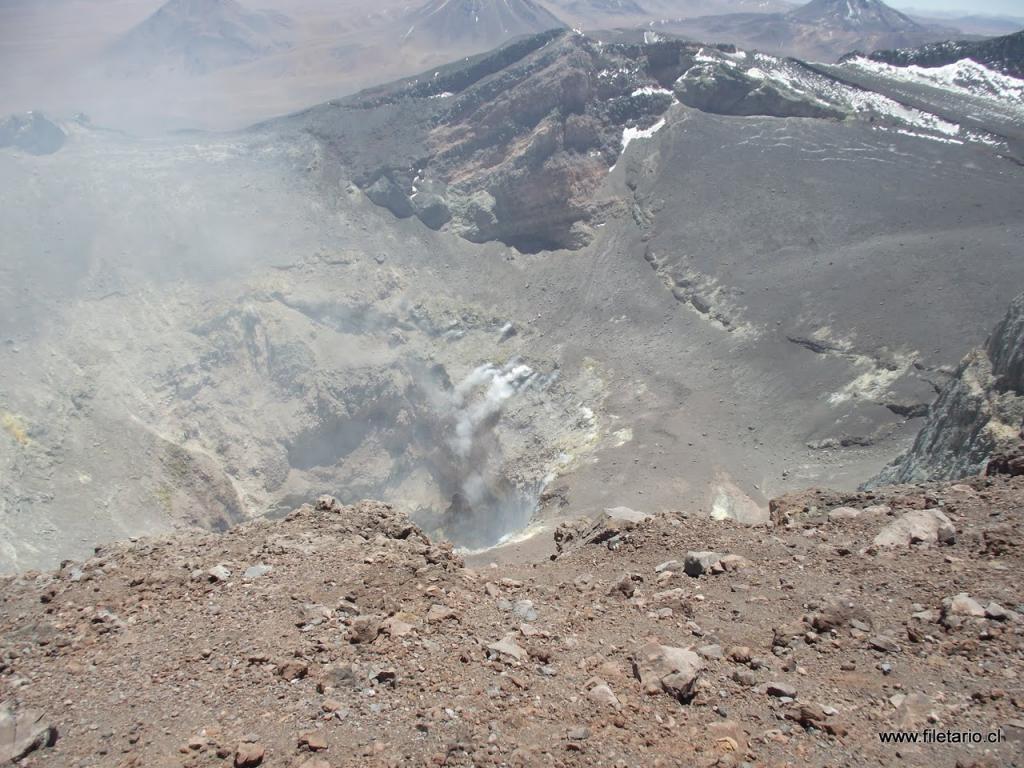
<point>510,146</point>
<point>980,412</point>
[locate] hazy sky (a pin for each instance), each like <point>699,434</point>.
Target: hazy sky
<point>1008,7</point>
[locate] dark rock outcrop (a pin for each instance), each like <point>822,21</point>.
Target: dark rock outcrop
<point>1009,461</point>
<point>31,132</point>
<point>514,145</point>
<point>978,414</point>
<point>732,91</point>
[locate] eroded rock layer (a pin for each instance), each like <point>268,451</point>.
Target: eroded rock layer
<point>980,412</point>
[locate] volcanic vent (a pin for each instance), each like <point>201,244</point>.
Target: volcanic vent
<point>437,408</point>
<point>466,457</point>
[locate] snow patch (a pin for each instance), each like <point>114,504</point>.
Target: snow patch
<point>828,92</point>
<point>965,77</point>
<point>632,134</point>
<point>650,90</point>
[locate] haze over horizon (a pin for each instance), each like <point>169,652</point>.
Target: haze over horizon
<point>989,7</point>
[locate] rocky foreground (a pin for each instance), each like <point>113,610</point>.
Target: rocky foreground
<point>342,636</point>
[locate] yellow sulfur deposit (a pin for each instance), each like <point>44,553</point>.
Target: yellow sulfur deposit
<point>13,426</point>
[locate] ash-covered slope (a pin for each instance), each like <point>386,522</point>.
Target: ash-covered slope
<point>478,25</point>
<point>197,37</point>
<point>1003,54</point>
<point>980,412</point>
<point>822,30</point>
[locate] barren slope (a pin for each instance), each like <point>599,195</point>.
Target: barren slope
<point>341,636</point>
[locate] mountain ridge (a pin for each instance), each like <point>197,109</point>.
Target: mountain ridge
<point>821,30</point>
<point>1004,54</point>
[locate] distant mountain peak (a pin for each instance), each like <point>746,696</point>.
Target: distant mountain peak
<point>482,24</point>
<point>853,14</point>
<point>199,36</point>
<point>200,8</point>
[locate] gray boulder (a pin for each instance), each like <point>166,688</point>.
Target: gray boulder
<point>663,668</point>
<point>387,194</point>
<point>430,204</point>
<point>921,526</point>
<point>22,733</point>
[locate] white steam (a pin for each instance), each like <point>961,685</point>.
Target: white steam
<point>488,503</point>
<point>502,384</point>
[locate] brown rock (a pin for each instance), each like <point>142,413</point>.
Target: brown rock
<point>248,755</point>
<point>838,614</point>
<point>740,654</point>
<point>923,526</point>
<point>338,676</point>
<point>331,705</point>
<point>315,741</point>
<point>697,563</point>
<point>962,604</point>
<point>364,629</point>
<point>399,625</point>
<point>292,670</point>
<point>728,735</point>
<point>784,510</point>
<point>508,649</point>
<point>883,643</point>
<point>843,513</point>
<point>625,585</point>
<point>781,690</point>
<point>439,613</point>
<point>599,692</point>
